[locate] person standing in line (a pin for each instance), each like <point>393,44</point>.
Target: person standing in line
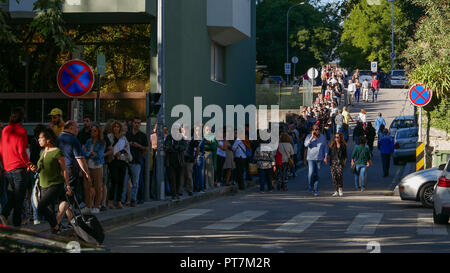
<point>188,167</point>
<point>386,147</point>
<point>380,121</point>
<point>118,166</point>
<point>85,133</point>
<point>346,125</point>
<point>56,123</point>
<point>174,160</point>
<point>35,154</point>
<point>365,90</point>
<point>286,149</point>
<point>52,176</point>
<point>95,150</point>
<point>370,136</point>
<point>375,89</point>
<point>228,165</point>
<point>108,156</point>
<point>221,157</point>
<point>338,159</point>
<point>138,147</point>
<point>317,152</point>
<point>210,156</point>
<point>199,158</point>
<point>362,159</point>
<point>265,159</point>
<point>240,158</point>
<point>13,154</point>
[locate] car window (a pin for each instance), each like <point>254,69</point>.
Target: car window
<point>398,73</point>
<point>402,123</point>
<point>365,73</point>
<point>448,165</point>
<point>407,134</point>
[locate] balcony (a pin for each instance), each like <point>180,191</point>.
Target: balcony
<point>229,21</point>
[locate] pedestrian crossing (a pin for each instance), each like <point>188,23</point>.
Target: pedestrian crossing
<point>360,224</point>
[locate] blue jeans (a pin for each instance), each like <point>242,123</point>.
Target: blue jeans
<point>35,211</point>
<point>198,175</point>
<point>345,132</point>
<point>357,93</point>
<point>265,178</point>
<point>18,180</point>
<point>385,162</point>
<point>313,174</point>
<point>135,175</point>
<point>375,95</point>
<point>360,172</point>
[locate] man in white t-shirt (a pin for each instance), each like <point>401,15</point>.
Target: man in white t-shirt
<point>365,90</point>
<point>351,89</point>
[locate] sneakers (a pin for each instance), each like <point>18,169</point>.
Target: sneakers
<point>316,193</point>
<point>335,194</point>
<point>363,189</point>
<point>341,193</point>
<point>95,210</point>
<point>36,222</point>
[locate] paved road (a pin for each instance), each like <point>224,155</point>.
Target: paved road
<point>295,221</point>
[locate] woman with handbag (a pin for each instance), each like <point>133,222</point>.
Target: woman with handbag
<point>361,159</point>
<point>338,159</point>
<point>119,164</point>
<point>52,176</point>
<point>287,151</point>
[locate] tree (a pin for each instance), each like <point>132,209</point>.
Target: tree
<point>314,31</point>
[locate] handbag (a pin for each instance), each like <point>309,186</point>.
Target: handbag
<point>353,168</point>
<point>291,162</point>
<point>252,169</point>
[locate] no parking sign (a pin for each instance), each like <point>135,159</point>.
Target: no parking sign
<point>75,78</point>
<point>419,95</point>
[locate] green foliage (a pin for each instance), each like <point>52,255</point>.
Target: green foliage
<point>440,115</point>
<point>434,74</point>
<point>368,29</point>
<point>313,34</point>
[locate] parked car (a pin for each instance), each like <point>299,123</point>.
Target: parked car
<point>398,78</point>
<point>365,75</point>
<point>405,142</point>
<point>441,196</point>
<point>401,122</point>
<point>419,186</point>
<point>19,240</point>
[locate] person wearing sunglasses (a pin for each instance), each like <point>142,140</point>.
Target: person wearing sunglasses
<point>317,152</point>
<point>338,159</point>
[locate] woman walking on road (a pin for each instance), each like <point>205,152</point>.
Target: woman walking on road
<point>338,159</point>
<point>361,159</point>
<point>52,175</point>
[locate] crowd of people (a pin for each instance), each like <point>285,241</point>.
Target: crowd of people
<point>104,166</point>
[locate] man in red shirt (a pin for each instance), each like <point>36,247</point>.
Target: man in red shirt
<point>375,88</point>
<point>13,153</point>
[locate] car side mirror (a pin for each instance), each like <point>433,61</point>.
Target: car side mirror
<point>441,167</point>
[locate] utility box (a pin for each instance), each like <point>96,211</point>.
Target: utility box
<point>440,157</point>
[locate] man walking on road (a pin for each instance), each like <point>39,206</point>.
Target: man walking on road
<point>375,89</point>
<point>317,152</point>
<point>380,121</point>
<point>13,154</point>
<point>386,147</point>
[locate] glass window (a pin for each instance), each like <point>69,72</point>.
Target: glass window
<point>217,62</point>
<point>398,73</point>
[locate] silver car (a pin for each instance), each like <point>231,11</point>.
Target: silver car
<point>398,78</point>
<point>419,186</point>
<point>441,197</point>
<point>401,122</point>
<point>405,142</point>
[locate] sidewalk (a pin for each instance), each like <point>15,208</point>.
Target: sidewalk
<point>114,217</point>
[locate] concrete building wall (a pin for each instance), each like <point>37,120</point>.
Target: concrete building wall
<point>188,60</point>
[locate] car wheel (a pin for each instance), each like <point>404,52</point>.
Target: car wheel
<point>440,219</point>
<point>426,195</point>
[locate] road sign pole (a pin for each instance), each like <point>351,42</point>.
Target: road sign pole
<point>420,124</point>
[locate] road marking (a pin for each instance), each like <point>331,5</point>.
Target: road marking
<point>175,218</point>
<point>426,226</point>
<point>236,220</point>
<point>365,223</point>
<point>301,222</point>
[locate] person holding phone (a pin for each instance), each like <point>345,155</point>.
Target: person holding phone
<point>317,153</point>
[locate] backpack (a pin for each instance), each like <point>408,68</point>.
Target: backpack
<point>278,158</point>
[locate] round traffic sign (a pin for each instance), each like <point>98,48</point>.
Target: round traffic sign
<point>294,59</point>
<point>419,95</point>
<point>75,78</point>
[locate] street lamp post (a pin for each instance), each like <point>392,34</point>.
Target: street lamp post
<point>392,25</point>
<point>287,36</point>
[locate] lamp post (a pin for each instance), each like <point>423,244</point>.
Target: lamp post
<point>392,25</point>
<point>287,35</point>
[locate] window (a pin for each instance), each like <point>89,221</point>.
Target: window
<point>217,62</point>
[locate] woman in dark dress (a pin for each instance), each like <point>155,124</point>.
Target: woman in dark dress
<point>338,158</point>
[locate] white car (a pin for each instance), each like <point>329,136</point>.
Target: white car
<point>441,197</point>
<point>398,78</point>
